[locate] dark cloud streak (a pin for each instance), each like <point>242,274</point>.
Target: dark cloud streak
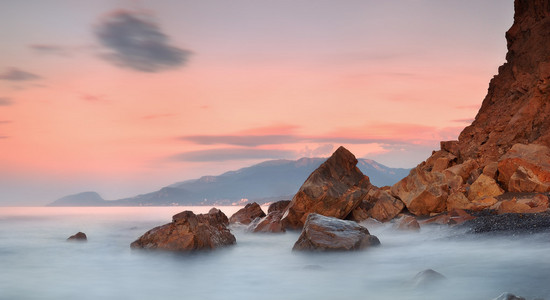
<point>14,74</point>
<point>5,101</point>
<point>136,42</point>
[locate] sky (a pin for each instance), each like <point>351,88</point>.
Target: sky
<point>125,97</point>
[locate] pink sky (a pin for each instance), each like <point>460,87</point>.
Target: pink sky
<point>124,97</point>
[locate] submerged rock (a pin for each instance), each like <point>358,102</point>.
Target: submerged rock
<point>427,278</point>
<point>322,233</point>
<point>334,189</point>
<point>189,232</point>
<point>247,214</point>
<point>408,223</point>
<point>508,296</point>
<point>272,222</point>
<point>80,236</point>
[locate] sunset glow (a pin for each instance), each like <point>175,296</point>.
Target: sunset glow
<point>219,85</point>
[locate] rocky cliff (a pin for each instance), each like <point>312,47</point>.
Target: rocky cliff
<point>506,148</point>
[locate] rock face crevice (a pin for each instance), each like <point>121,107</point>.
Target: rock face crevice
<point>506,148</point>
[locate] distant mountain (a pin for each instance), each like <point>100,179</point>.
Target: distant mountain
<point>264,182</point>
<point>81,199</point>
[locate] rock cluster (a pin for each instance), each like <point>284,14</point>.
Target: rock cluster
<point>189,232</point>
<point>334,189</point>
<point>507,147</point>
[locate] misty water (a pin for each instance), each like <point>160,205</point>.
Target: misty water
<point>37,263</point>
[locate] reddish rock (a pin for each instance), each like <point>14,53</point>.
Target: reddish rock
<point>322,233</point>
<point>379,205</point>
<point>270,223</point>
<point>188,232</point>
<point>247,214</point>
<point>527,203</point>
<point>278,206</point>
<point>334,189</point>
<point>80,236</point>
<point>484,187</point>
<point>408,223</point>
<point>525,168</point>
<point>453,217</point>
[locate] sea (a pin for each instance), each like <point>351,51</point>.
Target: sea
<point>36,261</point>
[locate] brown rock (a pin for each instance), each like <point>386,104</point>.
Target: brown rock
<point>270,223</point>
<point>188,232</point>
<point>322,233</point>
<point>491,170</point>
<point>464,169</point>
<point>525,168</point>
<point>334,189</point>
<point>247,214</point>
<point>278,206</point>
<point>453,217</point>
<point>458,201</point>
<point>423,192</point>
<point>379,205</point>
<point>407,222</point>
<point>80,236</point>
<point>484,187</point>
<point>526,203</point>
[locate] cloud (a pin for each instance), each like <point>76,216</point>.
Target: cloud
<point>50,49</point>
<point>14,74</point>
<point>242,140</point>
<point>5,101</point>
<point>225,154</point>
<point>94,98</point>
<point>157,116</point>
<point>5,122</point>
<point>322,150</point>
<point>134,41</point>
<point>4,137</point>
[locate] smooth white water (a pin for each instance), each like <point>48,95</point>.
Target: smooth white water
<point>37,262</point>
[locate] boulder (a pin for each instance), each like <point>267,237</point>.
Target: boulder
<point>322,233</point>
<point>508,296</point>
<point>484,187</point>
<point>523,203</point>
<point>408,223</point>
<point>188,232</point>
<point>278,206</point>
<point>427,278</point>
<point>247,214</point>
<point>525,168</point>
<point>80,236</point>
<point>334,189</point>
<point>423,192</point>
<point>379,205</point>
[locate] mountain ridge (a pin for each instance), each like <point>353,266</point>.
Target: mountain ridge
<point>264,182</point>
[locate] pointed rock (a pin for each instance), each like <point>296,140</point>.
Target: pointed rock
<point>334,189</point>
<point>247,214</point>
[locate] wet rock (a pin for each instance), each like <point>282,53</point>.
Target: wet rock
<point>270,223</point>
<point>322,233</point>
<point>247,214</point>
<point>407,223</point>
<point>334,189</point>
<point>427,278</point>
<point>80,236</point>
<point>188,232</point>
<point>525,168</point>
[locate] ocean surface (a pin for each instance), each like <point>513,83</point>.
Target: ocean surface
<point>36,262</point>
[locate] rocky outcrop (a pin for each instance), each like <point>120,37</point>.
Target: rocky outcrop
<point>379,205</point>
<point>522,203</point>
<point>525,168</point>
<point>247,214</point>
<point>506,148</point>
<point>322,233</point>
<point>189,232</point>
<point>279,206</point>
<point>80,236</point>
<point>334,189</point>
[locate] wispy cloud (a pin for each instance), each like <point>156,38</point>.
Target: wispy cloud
<point>5,122</point>
<point>14,74</point>
<point>133,40</point>
<point>4,101</point>
<point>50,49</point>
<point>94,98</point>
<point>467,121</point>
<point>224,154</point>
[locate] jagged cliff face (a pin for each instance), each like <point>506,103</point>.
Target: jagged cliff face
<point>507,147</point>
<point>517,106</point>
